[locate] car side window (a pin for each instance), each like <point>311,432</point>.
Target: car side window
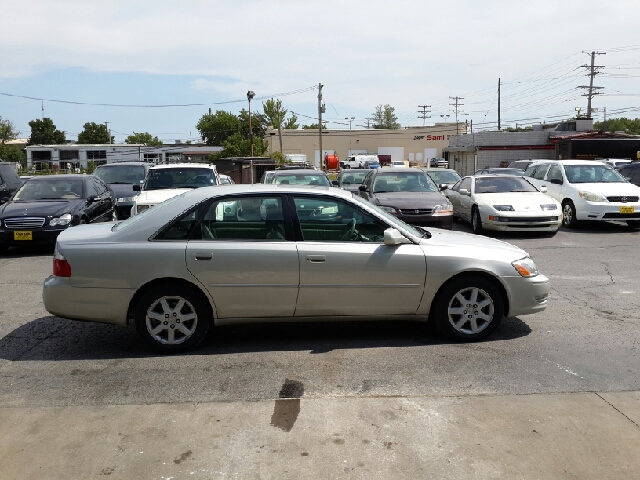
<point>466,183</point>
<point>530,171</point>
<point>100,186</point>
<point>329,220</point>
<point>554,173</point>
<point>541,171</point>
<point>243,218</point>
<point>456,187</point>
<point>625,172</point>
<point>92,191</point>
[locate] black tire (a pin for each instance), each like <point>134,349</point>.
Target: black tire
<point>454,219</point>
<point>569,214</point>
<point>476,221</point>
<point>3,249</point>
<point>83,221</point>
<point>447,298</point>
<point>633,223</point>
<point>193,303</point>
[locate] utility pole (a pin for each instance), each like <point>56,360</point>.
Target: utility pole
<point>250,95</point>
<point>592,73</point>
<point>424,112</point>
<point>321,110</point>
<point>456,105</point>
<point>605,114</point>
<point>350,119</point>
<point>498,104</point>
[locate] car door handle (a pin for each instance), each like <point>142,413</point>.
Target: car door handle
<point>203,256</point>
<point>316,258</point>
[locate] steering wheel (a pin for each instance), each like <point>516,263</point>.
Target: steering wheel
<point>316,211</point>
<point>351,233</point>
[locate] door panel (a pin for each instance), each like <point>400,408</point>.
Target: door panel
<point>354,278</point>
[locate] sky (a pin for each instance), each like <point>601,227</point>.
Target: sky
<point>158,66</point>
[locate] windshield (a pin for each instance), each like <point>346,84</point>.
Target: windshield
<point>394,221</point>
<point>503,185</point>
<point>444,177</point>
<point>371,163</point>
<point>179,177</point>
<point>403,182</point>
<point>302,179</point>
<point>507,171</point>
<point>58,189</point>
<point>592,174</point>
<point>131,220</point>
<point>353,178</point>
<point>125,174</point>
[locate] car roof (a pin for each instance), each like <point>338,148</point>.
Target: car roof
<point>61,176</point>
<point>262,188</point>
<point>495,175</point>
<point>115,164</point>
<point>305,171</point>
<point>184,165</point>
<point>578,162</point>
<point>436,169</point>
<point>348,170</point>
<point>383,171</point>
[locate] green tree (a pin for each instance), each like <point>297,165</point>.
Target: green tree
<point>385,118</point>
<point>44,132</point>
<point>143,138</point>
<point>313,126</point>
<point>274,115</point>
<point>12,153</point>
<point>94,133</point>
<point>7,131</point>
<point>627,125</point>
<point>237,145</point>
<point>215,128</point>
<point>291,123</point>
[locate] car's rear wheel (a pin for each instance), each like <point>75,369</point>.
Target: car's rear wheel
<point>468,309</point>
<point>476,222</point>
<point>633,223</point>
<point>172,319</point>
<point>569,214</point>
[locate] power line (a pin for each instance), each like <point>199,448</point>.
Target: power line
<point>593,72</point>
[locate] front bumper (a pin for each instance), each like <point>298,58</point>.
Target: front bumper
<point>442,221</point>
<point>526,295</point>
<point>105,305</point>
<point>605,211</point>
<point>522,223</point>
<point>40,236</point>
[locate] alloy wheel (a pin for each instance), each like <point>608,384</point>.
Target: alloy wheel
<point>171,320</point>
<point>567,213</point>
<point>471,310</point>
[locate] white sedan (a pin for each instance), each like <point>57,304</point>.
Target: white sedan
<point>505,203</point>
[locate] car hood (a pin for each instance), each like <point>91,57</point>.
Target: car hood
<point>409,199</point>
<point>47,208</point>
<point>521,202</point>
<point>153,197</point>
<point>610,189</point>
<point>458,241</point>
<point>123,190</point>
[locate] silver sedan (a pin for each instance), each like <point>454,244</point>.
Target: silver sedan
<point>266,253</point>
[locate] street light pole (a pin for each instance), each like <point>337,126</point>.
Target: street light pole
<point>350,119</point>
<point>250,95</point>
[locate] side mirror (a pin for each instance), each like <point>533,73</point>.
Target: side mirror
<point>394,237</point>
<point>464,191</point>
<point>335,183</point>
<point>137,188</point>
<point>362,188</point>
<point>543,189</point>
<point>556,181</point>
<point>443,187</point>
<point>93,199</point>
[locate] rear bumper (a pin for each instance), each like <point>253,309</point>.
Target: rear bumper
<point>105,305</point>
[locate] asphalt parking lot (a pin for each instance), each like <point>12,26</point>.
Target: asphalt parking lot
<point>586,340</point>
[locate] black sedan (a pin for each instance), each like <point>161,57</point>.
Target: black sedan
<point>408,194</point>
<point>45,206</point>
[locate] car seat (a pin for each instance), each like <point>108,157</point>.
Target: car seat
<point>412,185</point>
<point>76,188</point>
<point>348,179</point>
<point>274,223</point>
<point>380,186</point>
<point>284,182</point>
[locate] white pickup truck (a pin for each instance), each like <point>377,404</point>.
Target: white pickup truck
<point>358,161</point>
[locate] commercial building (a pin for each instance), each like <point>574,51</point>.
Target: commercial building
<point>78,155</point>
<point>412,144</point>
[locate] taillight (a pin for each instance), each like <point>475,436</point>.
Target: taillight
<point>61,267</point>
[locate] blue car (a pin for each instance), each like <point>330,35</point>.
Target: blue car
<point>372,164</point>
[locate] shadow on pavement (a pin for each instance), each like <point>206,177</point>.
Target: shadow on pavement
<point>598,228</point>
<point>28,251</point>
<point>51,338</point>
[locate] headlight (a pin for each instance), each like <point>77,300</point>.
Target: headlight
<point>126,199</point>
<point>593,197</point>
<point>525,267</point>
<point>549,206</point>
<point>142,208</point>
<point>62,220</point>
<point>503,208</point>
<point>391,210</point>
<point>446,209</point>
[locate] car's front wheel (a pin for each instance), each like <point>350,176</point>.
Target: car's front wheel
<point>476,221</point>
<point>569,214</point>
<point>172,319</point>
<point>469,308</point>
<point>633,223</point>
